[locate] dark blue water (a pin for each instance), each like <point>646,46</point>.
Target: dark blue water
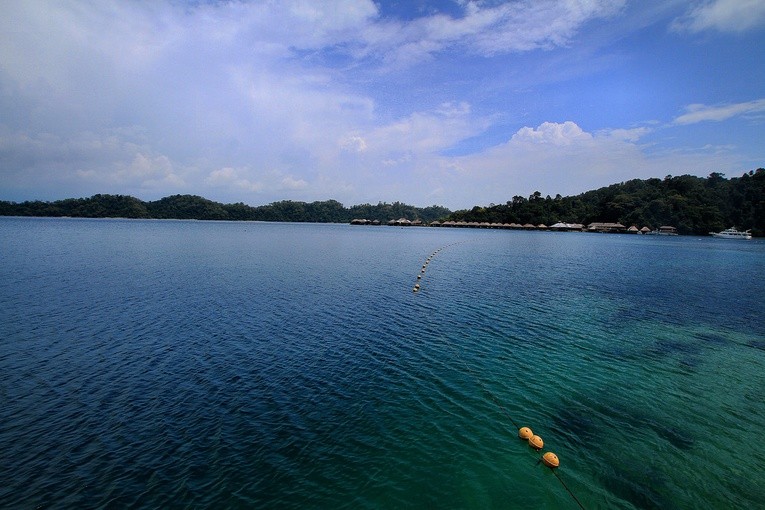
<point>154,364</point>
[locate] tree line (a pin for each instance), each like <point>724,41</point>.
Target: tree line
<point>694,205</point>
<point>199,208</point>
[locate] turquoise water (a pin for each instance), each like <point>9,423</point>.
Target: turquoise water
<point>192,364</point>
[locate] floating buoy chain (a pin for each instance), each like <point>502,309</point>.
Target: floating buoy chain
<point>549,459</point>
<point>416,287</point>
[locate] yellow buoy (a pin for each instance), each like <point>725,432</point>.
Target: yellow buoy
<point>550,460</point>
<point>419,276</point>
<point>416,285</point>
<point>536,442</point>
<point>415,289</point>
<point>525,433</point>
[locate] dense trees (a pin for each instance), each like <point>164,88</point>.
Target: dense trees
<point>693,205</point>
<point>195,207</point>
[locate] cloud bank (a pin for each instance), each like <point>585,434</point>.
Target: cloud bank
<point>261,101</point>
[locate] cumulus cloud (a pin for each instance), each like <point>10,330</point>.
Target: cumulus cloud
<point>563,158</point>
<point>723,16</point>
<point>699,112</point>
<point>552,133</point>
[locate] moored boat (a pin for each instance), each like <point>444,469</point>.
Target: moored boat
<point>732,233</point>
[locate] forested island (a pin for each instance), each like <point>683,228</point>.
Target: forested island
<point>192,207</point>
<point>694,205</point>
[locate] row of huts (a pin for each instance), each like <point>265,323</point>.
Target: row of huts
<point>558,227</point>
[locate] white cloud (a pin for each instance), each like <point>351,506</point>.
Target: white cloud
<point>559,158</point>
<point>426,131</point>
<point>552,133</point>
<point>231,178</point>
<point>723,16</point>
<point>290,182</point>
<point>353,144</point>
<point>700,112</point>
<point>292,98</point>
<point>627,135</point>
<point>486,30</point>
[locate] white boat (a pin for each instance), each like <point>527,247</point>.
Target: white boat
<point>732,233</point>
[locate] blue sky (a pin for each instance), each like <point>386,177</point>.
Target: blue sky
<point>451,102</point>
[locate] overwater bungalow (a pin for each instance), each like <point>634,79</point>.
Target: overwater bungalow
<point>606,227</point>
<point>667,230</point>
<point>567,227</point>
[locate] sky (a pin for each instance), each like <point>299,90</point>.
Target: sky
<point>451,102</point>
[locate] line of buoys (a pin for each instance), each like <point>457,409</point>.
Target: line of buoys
<point>549,458</point>
<point>416,288</point>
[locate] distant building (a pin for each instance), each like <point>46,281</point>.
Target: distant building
<point>567,227</point>
<point>666,230</point>
<point>606,227</point>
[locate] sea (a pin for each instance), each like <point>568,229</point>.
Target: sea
<point>192,364</point>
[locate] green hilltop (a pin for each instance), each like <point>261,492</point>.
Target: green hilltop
<point>199,208</point>
<point>694,205</point>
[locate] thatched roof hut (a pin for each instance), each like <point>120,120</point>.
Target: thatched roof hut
<point>606,227</point>
<point>567,227</point>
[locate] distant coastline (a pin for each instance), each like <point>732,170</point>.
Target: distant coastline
<point>691,205</point>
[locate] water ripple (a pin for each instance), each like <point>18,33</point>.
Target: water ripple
<point>188,364</point>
